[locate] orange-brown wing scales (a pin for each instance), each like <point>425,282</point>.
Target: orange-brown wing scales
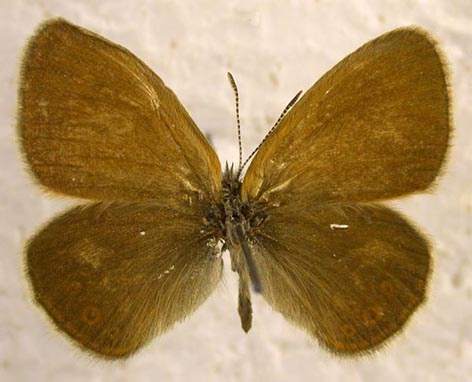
<point>350,276</point>
<point>97,123</point>
<point>374,127</point>
<point>114,276</point>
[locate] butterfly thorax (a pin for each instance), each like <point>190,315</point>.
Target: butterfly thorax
<point>237,214</point>
<point>234,210</point>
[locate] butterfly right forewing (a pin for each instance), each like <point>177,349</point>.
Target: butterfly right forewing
<point>375,126</point>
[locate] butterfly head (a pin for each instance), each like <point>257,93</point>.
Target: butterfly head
<point>231,184</point>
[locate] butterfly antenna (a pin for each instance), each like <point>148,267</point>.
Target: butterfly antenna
<point>282,115</point>
<point>236,96</point>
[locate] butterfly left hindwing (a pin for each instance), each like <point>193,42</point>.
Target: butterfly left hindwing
<point>113,277</point>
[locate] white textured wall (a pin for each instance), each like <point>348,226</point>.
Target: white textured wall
<point>274,48</point>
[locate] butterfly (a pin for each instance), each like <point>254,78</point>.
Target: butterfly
<point>305,226</point>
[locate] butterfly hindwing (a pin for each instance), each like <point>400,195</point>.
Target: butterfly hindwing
<point>113,276</point>
<point>351,276</point>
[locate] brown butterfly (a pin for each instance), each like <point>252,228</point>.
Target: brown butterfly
<point>303,226</point>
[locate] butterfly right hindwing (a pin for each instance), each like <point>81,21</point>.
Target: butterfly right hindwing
<point>350,276</point>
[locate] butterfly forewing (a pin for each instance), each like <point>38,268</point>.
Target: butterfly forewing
<point>350,276</point>
<point>97,123</point>
<point>375,126</point>
<point>114,276</point>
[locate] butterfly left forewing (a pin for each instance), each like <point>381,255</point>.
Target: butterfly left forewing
<point>95,122</point>
<point>351,276</point>
<point>113,276</point>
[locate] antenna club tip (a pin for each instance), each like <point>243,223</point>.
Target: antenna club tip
<point>232,81</point>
